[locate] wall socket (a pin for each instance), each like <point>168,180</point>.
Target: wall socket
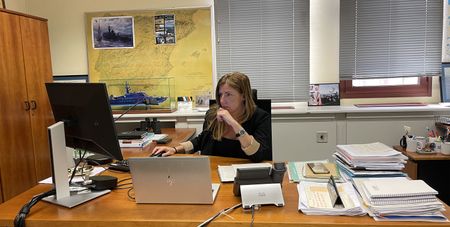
<point>322,137</point>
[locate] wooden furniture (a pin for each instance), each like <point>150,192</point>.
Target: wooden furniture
<point>434,169</point>
<point>178,135</point>
<point>116,209</point>
<point>25,112</point>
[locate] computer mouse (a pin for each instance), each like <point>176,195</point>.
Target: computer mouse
<point>157,154</point>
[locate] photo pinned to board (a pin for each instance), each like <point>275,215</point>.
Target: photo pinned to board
<point>165,29</point>
<point>326,94</point>
<point>113,32</point>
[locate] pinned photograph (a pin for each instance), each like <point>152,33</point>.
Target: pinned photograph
<point>165,29</point>
<point>324,95</point>
<point>113,32</point>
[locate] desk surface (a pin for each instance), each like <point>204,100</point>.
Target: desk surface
<point>422,157</point>
<point>116,209</point>
<point>178,135</point>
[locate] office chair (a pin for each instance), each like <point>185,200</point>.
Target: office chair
<point>264,104</point>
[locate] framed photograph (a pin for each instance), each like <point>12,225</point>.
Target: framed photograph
<point>113,32</point>
<point>324,95</point>
<point>165,29</point>
<point>445,83</point>
<point>71,78</point>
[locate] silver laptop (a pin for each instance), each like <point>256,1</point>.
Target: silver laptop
<point>173,180</point>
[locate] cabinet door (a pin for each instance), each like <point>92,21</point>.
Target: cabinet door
<point>38,67</point>
<point>16,144</point>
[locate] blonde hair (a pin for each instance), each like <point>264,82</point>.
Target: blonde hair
<point>241,83</point>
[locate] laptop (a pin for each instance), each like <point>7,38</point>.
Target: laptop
<point>174,179</point>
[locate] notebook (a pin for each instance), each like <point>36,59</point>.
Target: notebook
<point>383,188</point>
<point>175,179</point>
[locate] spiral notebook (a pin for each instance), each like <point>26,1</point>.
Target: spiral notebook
<point>388,188</point>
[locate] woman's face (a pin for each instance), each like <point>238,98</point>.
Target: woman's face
<point>230,99</point>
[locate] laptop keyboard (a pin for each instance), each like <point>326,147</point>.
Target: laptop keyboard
<point>120,165</point>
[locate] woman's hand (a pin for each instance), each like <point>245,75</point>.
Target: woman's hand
<point>225,116</point>
<point>166,151</point>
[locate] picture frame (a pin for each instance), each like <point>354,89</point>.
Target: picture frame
<point>113,32</point>
<point>325,94</point>
<point>445,83</point>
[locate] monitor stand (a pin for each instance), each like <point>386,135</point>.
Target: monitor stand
<point>60,165</point>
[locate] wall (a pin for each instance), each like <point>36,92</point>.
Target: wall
<point>68,40</point>
<point>66,22</point>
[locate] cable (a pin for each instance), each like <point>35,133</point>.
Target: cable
<point>19,221</point>
<point>224,211</point>
<point>253,216</point>
<point>78,163</point>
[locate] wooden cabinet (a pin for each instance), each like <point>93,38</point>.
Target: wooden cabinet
<point>25,112</point>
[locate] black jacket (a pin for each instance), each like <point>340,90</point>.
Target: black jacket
<point>259,126</point>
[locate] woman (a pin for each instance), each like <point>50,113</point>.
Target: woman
<point>235,127</point>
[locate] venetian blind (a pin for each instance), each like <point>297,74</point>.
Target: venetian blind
<point>390,38</point>
<point>268,40</point>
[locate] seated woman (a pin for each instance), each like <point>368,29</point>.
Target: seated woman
<point>235,127</point>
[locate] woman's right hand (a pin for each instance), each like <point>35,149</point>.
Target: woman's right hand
<point>166,151</point>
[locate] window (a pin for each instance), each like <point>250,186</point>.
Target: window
<point>389,39</point>
<point>268,40</point>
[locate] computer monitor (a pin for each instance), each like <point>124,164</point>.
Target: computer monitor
<point>88,122</point>
<point>84,121</point>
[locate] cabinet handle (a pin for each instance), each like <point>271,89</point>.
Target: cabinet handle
<point>26,105</point>
<point>33,105</point>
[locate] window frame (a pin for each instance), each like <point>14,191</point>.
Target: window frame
<point>423,89</point>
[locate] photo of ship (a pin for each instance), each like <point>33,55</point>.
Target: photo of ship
<point>113,32</point>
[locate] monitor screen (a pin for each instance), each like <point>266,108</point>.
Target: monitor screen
<point>88,122</point>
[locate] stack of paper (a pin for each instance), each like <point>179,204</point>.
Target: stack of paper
<point>400,199</point>
<point>314,199</point>
<point>299,171</point>
<point>373,159</point>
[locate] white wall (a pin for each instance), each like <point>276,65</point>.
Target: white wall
<point>66,23</point>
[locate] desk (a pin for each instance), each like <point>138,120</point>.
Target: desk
<point>178,135</point>
<point>432,168</point>
<point>116,210</point>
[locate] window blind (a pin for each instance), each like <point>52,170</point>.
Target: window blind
<point>390,38</point>
<point>268,40</point>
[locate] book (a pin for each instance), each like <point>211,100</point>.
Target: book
<point>132,135</point>
<point>388,188</point>
<point>137,143</point>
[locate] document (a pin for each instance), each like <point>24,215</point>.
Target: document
<point>314,199</point>
<point>227,173</point>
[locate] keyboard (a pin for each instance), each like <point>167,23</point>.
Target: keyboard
<point>120,165</point>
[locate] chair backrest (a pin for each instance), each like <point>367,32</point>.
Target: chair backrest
<point>264,104</point>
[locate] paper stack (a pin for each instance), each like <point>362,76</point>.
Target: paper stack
<point>400,199</point>
<point>314,199</point>
<point>373,159</point>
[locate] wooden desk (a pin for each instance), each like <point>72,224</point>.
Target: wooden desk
<point>178,135</point>
<point>117,210</point>
<point>431,168</point>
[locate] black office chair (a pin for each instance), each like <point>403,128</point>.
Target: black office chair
<point>264,104</point>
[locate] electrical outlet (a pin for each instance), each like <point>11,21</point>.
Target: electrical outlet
<point>322,137</point>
